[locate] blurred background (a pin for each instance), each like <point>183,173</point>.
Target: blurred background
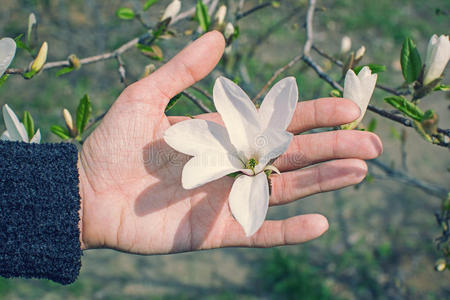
<point>381,239</point>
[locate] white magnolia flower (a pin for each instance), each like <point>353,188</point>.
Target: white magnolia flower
<point>172,10</point>
<point>7,52</point>
<point>15,130</point>
<point>359,89</point>
<point>251,139</point>
<point>438,54</point>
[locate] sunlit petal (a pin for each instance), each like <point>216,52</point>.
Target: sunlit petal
<point>208,167</point>
<point>194,137</point>
<point>15,129</point>
<point>36,138</point>
<point>238,113</point>
<point>278,107</point>
<point>7,52</point>
<point>273,144</point>
<point>249,201</point>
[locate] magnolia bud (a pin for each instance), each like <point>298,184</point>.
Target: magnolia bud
<point>69,122</point>
<point>440,265</point>
<point>229,31</point>
<point>430,122</point>
<point>221,14</point>
<point>149,69</point>
<point>438,54</point>
<point>172,10</point>
<point>31,22</point>
<point>346,44</point>
<point>41,58</point>
<point>74,61</point>
<point>360,53</point>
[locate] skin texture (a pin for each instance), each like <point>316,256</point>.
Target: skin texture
<point>130,180</point>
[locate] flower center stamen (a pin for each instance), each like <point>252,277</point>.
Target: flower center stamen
<point>251,164</point>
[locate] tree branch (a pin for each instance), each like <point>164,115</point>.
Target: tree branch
<point>108,55</point>
<point>252,10</point>
<point>435,190</point>
<point>196,101</point>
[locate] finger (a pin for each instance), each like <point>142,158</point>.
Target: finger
<point>189,66</point>
<point>308,149</point>
<point>324,112</point>
<point>291,231</point>
<point>328,176</point>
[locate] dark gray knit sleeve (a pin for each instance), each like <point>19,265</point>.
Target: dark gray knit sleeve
<point>39,205</point>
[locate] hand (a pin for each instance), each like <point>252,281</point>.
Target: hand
<point>130,179</point>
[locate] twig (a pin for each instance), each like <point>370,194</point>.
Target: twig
<point>309,28</point>
<point>203,92</point>
<point>252,10</point>
<point>310,62</point>
<point>275,75</point>
<point>197,102</point>
<point>212,7</point>
<point>330,58</point>
<point>400,176</point>
<point>108,55</point>
<point>122,71</point>
<point>339,63</point>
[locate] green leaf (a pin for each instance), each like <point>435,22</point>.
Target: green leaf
<point>28,123</point>
<point>202,15</point>
<point>125,13</point>
<point>410,61</point>
<point>429,114</point>
<point>442,87</point>
<point>29,74</point>
<point>372,125</point>
<point>374,68</point>
<point>236,32</point>
<point>336,93</point>
<point>3,79</point>
<point>369,178</point>
<point>64,71</point>
<point>60,131</point>
<point>172,102</point>
<point>149,3</point>
<point>406,107</point>
<point>83,113</point>
<point>20,44</point>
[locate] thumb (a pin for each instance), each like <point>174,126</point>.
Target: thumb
<point>189,66</point>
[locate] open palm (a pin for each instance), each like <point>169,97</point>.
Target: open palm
<point>130,179</point>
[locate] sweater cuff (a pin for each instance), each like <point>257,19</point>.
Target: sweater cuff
<point>39,211</point>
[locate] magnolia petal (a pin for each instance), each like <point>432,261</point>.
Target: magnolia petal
<point>5,136</point>
<point>359,89</point>
<point>36,138</point>
<point>438,54</point>
<point>352,87</point>
<point>194,137</point>
<point>7,52</point>
<point>238,113</point>
<point>276,143</point>
<point>15,129</point>
<point>208,167</point>
<point>431,50</point>
<point>249,201</point>
<point>278,107</point>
